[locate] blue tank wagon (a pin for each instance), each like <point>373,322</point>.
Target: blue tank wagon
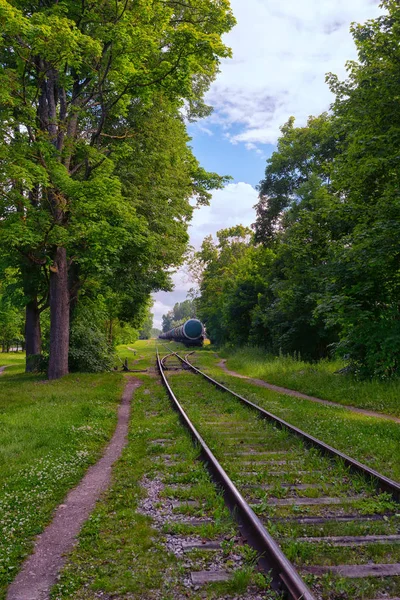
<point>191,333</point>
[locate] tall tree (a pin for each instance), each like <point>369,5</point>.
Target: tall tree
<point>71,75</point>
<point>363,289</point>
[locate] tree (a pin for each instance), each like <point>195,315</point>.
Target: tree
<point>11,324</point>
<point>225,265</point>
<point>147,327</point>
<point>72,74</point>
<point>303,153</point>
<point>167,322</point>
<point>297,215</point>
<point>363,284</point>
<point>181,312</point>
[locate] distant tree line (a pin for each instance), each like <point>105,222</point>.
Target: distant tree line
<point>96,174</point>
<point>320,273</point>
<point>181,312</point>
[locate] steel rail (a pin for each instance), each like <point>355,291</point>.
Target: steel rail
<point>383,482</point>
<point>283,572</point>
<point>165,358</point>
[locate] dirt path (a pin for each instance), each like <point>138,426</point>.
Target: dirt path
<point>288,392</point>
<point>2,370</point>
<point>39,572</point>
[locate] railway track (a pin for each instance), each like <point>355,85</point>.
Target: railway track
<point>326,526</point>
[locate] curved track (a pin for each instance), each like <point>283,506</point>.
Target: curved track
<point>332,513</point>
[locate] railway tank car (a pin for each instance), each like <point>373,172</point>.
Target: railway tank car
<point>191,333</point>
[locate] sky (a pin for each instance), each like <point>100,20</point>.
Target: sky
<point>281,54</point>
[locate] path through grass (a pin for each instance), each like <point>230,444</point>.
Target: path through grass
<point>50,432</point>
<point>316,379</point>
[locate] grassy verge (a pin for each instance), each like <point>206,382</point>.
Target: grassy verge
<point>50,433</point>
<point>140,355</point>
<point>123,550</point>
<point>319,379</point>
<point>14,361</point>
<point>373,441</point>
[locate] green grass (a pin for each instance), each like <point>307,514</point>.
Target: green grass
<point>14,361</point>
<point>373,441</point>
<point>214,412</point>
<point>50,433</point>
<point>316,379</point>
<point>140,355</point>
<point>121,553</point>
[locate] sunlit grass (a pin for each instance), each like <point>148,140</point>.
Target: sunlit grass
<point>375,442</point>
<point>319,379</point>
<point>50,432</point>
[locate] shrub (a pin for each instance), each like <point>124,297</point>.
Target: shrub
<point>89,349</point>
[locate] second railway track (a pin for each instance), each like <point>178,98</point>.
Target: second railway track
<point>333,529</point>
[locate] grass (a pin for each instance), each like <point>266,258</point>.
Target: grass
<point>140,355</point>
<point>214,412</point>
<point>121,551</point>
<point>50,433</point>
<point>316,379</point>
<point>373,441</point>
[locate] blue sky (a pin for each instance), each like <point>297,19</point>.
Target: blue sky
<point>217,153</point>
<point>281,54</point>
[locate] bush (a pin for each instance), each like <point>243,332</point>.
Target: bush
<point>89,350</point>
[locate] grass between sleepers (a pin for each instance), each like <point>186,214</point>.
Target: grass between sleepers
<point>50,432</point>
<point>213,412</point>
<point>373,441</point>
<point>121,552</point>
<point>316,379</point>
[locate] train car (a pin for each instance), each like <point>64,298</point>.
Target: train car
<point>191,333</point>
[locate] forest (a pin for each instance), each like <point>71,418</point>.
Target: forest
<point>318,275</point>
<point>97,182</point>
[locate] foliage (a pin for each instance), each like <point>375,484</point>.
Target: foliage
<point>329,211</point>
<point>11,313</point>
<point>11,324</point>
<point>95,170</point>
<point>363,284</point>
<point>89,350</point>
<point>147,327</point>
<point>181,312</point>
<point>230,284</point>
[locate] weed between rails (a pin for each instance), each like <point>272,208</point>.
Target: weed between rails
<point>373,441</point>
<point>251,450</point>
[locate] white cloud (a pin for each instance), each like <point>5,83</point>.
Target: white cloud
<point>228,207</point>
<point>281,53</point>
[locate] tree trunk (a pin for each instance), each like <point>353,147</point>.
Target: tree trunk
<point>59,316</point>
<point>33,334</point>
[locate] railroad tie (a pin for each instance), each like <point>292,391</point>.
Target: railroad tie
<point>204,577</point>
<point>350,540</point>
<point>330,518</point>
<point>357,571</point>
<point>311,501</point>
